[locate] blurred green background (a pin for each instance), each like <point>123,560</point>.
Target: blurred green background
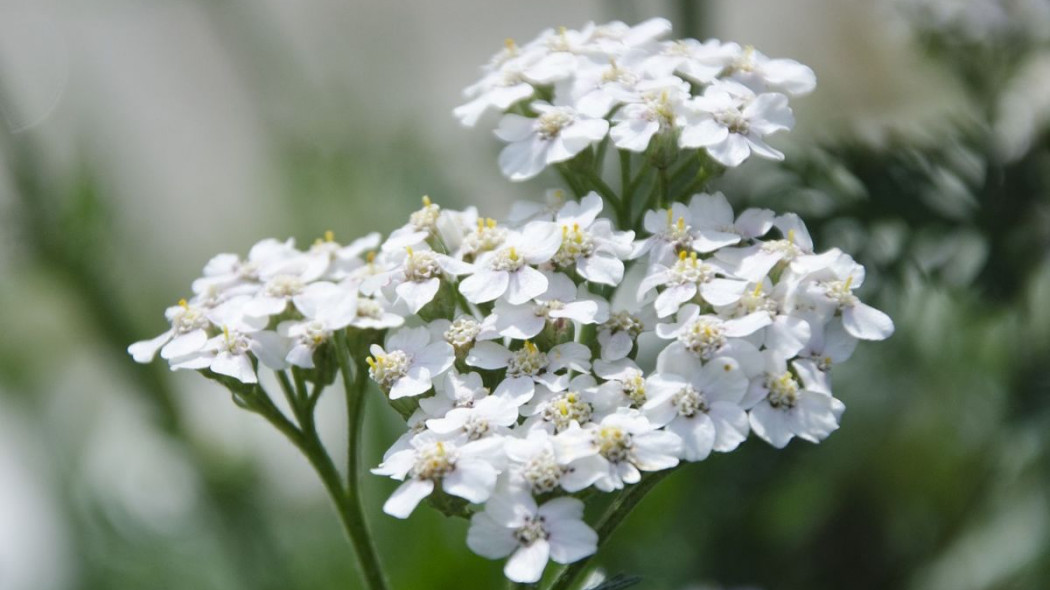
<point>141,137</point>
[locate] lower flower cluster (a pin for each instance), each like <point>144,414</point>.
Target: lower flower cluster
<point>515,351</point>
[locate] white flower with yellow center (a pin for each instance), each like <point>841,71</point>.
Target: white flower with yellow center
<point>509,271</point>
<point>227,352</point>
<point>489,416</point>
<point>409,363</point>
<point>617,449</point>
<point>512,524</point>
<point>730,121</point>
<point>562,304</point>
<point>557,134</point>
<point>701,403</point>
<point>454,391</point>
<point>700,62</point>
<point>754,69</point>
<point>706,336</point>
<point>655,108</point>
<point>463,470</point>
<point>688,277</point>
<point>188,333</point>
<point>418,277</point>
<point>618,334</point>
<point>534,464</point>
<point>757,261</point>
<point>785,404</point>
<point>326,308</point>
<point>588,244</point>
<point>228,274</point>
<point>829,288</point>
<point>714,226</point>
<point>528,365</point>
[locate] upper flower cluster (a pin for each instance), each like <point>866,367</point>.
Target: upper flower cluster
<point>567,90</point>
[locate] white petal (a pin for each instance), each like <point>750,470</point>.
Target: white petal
<point>866,323</point>
<point>484,285</point>
<point>571,540</point>
<point>524,284</point>
<point>527,564</point>
<point>471,480</point>
<point>407,496</point>
<point>489,539</point>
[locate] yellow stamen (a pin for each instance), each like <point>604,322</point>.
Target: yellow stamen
<point>409,250</point>
<point>371,257</point>
<point>183,304</point>
<point>509,44</point>
<point>670,216</point>
<point>481,224</point>
<point>226,332</point>
<point>490,222</point>
<point>371,362</point>
<point>791,235</point>
<point>849,281</point>
<point>513,254</point>
<point>681,224</point>
<point>758,289</point>
<point>530,346</point>
<point>329,236</point>
<point>426,201</point>
<point>682,255</point>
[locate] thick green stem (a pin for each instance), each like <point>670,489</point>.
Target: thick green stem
<point>615,514</point>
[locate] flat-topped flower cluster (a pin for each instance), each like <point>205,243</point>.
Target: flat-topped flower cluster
<point>516,350</point>
<point>567,90</point>
<point>525,378</point>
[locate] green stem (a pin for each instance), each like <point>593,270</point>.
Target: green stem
<point>614,515</point>
<point>351,508</point>
<point>665,189</point>
<point>626,190</point>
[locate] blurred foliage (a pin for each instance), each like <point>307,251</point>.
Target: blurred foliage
<point>939,477</point>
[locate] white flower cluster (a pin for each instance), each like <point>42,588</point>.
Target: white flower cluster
<point>522,384</point>
<point>567,90</point>
<point>516,408</point>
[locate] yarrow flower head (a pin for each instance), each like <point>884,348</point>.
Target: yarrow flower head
<point>616,329</point>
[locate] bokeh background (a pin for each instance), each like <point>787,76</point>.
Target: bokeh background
<point>140,137</point>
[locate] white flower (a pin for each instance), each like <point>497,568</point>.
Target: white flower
<point>417,279</point>
<point>455,391</point>
<point>589,244</point>
<point>755,262</point>
<point>830,289</point>
<point>730,121</point>
<point>617,449</point>
<point>714,227</point>
<point>655,109</point>
<point>670,231</point>
<point>618,334</point>
<point>561,304</point>
<point>188,333</point>
<point>325,308</point>
<point>229,273</point>
<point>409,362</point>
<point>556,135</point>
<point>373,313</point>
<point>752,68</point>
<point>707,336</point>
<point>699,403</point>
<point>502,86</point>
<point>689,277</point>
<point>556,411</point>
<point>534,464</point>
<point>227,352</point>
<point>529,365</point>
<point>466,471</point>
<point>700,62</point>
<point>492,415</point>
<point>512,524</point>
<point>784,408</point>
<point>624,387</point>
<point>509,270</point>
